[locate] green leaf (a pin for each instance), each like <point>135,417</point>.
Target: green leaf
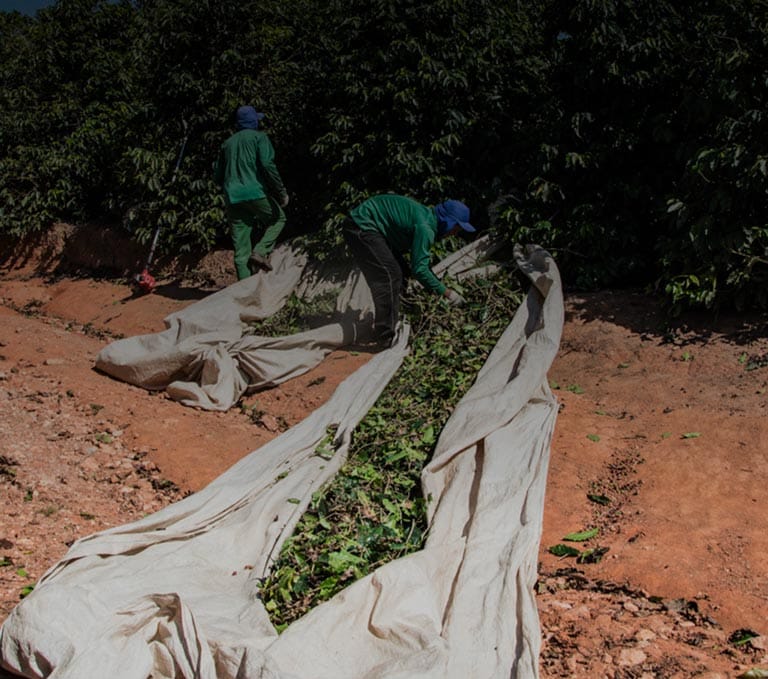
<point>397,456</point>
<point>593,437</point>
<point>293,500</point>
<point>563,550</point>
<point>328,586</point>
<point>575,389</point>
<point>581,536</point>
<point>340,561</point>
<point>390,506</point>
<point>324,452</point>
<point>599,499</point>
<point>428,436</point>
<point>691,435</point>
<point>742,636</point>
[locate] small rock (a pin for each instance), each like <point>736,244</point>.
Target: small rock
<point>632,608</point>
<point>269,422</point>
<point>90,465</point>
<point>53,361</point>
<point>660,627</point>
<point>574,662</point>
<point>629,657</point>
<point>578,613</point>
<point>603,621</point>
<point>645,635</point>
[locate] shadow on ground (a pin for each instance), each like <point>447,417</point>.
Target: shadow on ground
<point>630,309</point>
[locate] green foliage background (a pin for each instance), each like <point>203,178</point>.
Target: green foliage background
<point>626,136</point>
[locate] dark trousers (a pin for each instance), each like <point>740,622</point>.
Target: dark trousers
<point>382,271</point>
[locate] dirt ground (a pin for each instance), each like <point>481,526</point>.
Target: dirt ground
<point>660,445</point>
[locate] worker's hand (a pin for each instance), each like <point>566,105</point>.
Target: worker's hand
<point>454,298</point>
<point>284,200</point>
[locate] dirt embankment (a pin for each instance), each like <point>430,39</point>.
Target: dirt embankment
<point>659,445</point>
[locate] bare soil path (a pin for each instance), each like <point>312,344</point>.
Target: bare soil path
<point>664,428</point>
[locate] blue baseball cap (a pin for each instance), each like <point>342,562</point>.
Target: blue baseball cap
<point>452,212</point>
<point>248,118</point>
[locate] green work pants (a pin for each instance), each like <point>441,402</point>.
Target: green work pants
<point>248,219</point>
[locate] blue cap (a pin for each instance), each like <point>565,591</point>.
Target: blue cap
<point>248,118</point>
<point>450,213</point>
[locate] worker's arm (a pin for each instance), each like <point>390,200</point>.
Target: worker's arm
<point>271,175</point>
<point>420,260</point>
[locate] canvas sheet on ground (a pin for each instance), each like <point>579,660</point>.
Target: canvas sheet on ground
<point>208,355</point>
<point>170,596</point>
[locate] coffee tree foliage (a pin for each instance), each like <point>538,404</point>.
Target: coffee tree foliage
<point>626,136</point>
<point>655,171</point>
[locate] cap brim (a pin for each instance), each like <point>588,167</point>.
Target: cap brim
<point>466,226</point>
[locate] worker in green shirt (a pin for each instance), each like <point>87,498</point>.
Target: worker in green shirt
<point>380,230</point>
<point>254,193</point>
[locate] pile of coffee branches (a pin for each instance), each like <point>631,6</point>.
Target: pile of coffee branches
<point>373,510</point>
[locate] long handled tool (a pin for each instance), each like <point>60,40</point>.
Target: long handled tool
<point>145,280</point>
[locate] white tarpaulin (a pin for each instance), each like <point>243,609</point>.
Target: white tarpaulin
<point>176,594</point>
<point>208,356</point>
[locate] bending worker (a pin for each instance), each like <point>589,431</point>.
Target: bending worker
<point>254,193</point>
<point>380,230</point>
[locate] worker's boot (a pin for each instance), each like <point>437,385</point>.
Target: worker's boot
<point>259,261</point>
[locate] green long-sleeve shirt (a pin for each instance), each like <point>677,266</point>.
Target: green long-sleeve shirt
<point>407,226</point>
<point>246,169</point>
